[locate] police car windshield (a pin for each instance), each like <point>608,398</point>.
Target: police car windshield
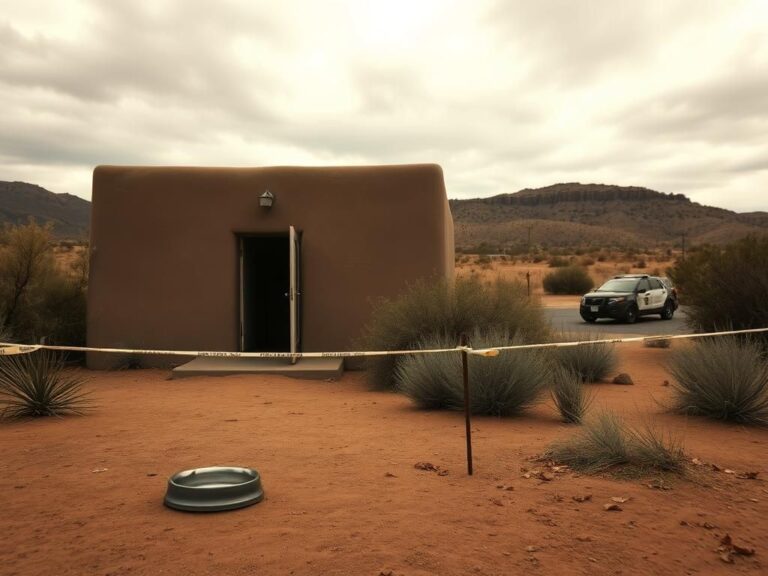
<point>619,285</point>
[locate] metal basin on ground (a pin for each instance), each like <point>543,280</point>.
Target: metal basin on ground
<point>214,489</point>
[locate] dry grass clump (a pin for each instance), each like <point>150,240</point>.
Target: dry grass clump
<point>504,385</point>
<point>591,362</point>
<point>37,384</point>
<point>724,378</point>
<point>606,443</point>
<point>446,310</point>
<point>570,396</point>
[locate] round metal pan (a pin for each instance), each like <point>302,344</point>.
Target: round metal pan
<point>214,489</point>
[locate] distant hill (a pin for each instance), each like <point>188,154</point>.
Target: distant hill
<point>597,215</point>
<point>70,215</point>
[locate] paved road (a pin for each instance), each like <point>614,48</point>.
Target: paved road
<point>568,320</point>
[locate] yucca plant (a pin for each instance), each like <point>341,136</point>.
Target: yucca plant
<point>591,362</point>
<point>569,395</point>
<point>504,385</point>
<point>724,378</point>
<point>37,384</point>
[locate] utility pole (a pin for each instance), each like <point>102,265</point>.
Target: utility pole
<point>684,235</point>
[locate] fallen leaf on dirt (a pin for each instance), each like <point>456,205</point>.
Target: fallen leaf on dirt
<point>231,420</point>
<point>716,468</point>
<point>97,470</point>
<point>697,462</point>
<point>527,475</point>
<point>531,549</point>
<point>390,475</point>
<point>497,501</point>
<point>428,466</point>
<point>547,476</point>
<point>665,383</point>
<point>726,557</point>
<point>707,526</point>
<point>684,523</point>
<point>585,498</point>
<point>612,508</point>
<point>729,471</point>
<point>748,475</point>
<point>442,472</point>
<point>619,499</point>
<point>505,487</point>
<point>151,474</point>
<point>584,538</point>
<point>560,469</point>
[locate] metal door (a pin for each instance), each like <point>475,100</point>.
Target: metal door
<point>294,291</point>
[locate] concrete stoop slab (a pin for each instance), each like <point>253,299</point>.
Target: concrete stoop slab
<point>305,368</point>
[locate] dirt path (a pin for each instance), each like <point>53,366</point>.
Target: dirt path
<point>343,496</point>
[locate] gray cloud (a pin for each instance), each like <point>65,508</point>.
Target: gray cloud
<point>505,95</point>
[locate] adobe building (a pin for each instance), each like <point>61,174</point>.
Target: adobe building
<point>257,259</point>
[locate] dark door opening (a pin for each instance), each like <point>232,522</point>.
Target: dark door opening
<point>264,293</point>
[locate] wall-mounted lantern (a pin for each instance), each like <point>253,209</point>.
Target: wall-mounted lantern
<point>267,199</point>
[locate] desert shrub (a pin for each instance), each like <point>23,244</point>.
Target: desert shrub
<point>504,385</point>
<point>38,384</point>
<point>725,286</point>
<point>587,261</point>
<point>37,299</point>
<point>605,442</point>
<point>568,280</point>
<point>558,262</point>
<point>444,309</point>
<point>724,378</point>
<point>590,362</point>
<point>601,444</point>
<point>569,395</point>
<point>641,264</point>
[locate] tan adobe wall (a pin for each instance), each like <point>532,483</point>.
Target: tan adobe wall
<point>164,264</point>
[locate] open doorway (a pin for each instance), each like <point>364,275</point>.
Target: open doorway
<point>264,293</point>
<point>270,292</point>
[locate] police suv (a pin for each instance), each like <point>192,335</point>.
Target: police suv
<point>628,297</point>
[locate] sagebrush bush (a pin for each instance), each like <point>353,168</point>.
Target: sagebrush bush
<point>725,286</point>
<point>503,385</point>
<point>591,362</point>
<point>724,378</point>
<point>38,384</point>
<point>568,280</point>
<point>605,443</point>
<point>570,396</point>
<point>441,309</point>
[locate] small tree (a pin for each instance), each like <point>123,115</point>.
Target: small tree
<point>725,286</point>
<point>26,262</point>
<point>37,299</point>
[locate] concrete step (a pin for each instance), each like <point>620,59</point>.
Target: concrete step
<point>305,368</point>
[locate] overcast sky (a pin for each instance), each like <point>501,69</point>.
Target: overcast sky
<point>503,94</point>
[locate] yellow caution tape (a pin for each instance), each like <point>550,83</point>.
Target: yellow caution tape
<point>10,349</point>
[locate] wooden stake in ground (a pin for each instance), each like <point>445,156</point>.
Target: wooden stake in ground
<point>465,374</point>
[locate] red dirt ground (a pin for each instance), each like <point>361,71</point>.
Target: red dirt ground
<point>343,496</point>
